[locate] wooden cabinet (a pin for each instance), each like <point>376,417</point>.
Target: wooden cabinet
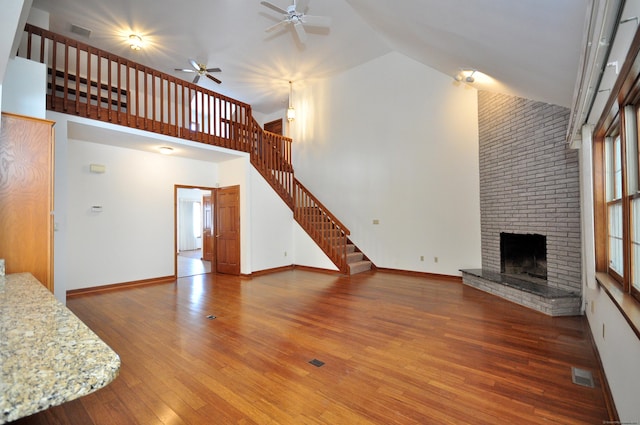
<point>26,196</point>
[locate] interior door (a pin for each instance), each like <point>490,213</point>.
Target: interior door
<point>274,126</point>
<point>227,228</point>
<point>208,240</point>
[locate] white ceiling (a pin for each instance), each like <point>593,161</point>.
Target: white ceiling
<point>530,48</point>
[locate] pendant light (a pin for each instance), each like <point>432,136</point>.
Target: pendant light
<point>291,112</point>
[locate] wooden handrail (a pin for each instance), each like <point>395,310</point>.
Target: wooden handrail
<point>92,83</point>
<point>320,205</point>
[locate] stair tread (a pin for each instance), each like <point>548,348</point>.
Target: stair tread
<point>359,267</point>
<point>354,257</point>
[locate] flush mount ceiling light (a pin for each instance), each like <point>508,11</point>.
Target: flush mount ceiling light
<point>135,42</point>
<point>166,150</point>
<point>465,75</point>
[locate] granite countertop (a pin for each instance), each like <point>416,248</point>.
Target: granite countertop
<point>47,355</point>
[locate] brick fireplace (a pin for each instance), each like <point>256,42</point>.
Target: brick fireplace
<point>529,190</point>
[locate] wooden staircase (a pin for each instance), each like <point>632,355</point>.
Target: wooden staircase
<point>356,260</point>
<point>95,84</point>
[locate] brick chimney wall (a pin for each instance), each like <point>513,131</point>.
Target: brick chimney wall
<point>529,182</point>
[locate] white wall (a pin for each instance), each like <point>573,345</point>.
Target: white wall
<point>277,240</point>
<point>14,15</point>
<point>26,90</point>
<point>133,237</point>
<point>395,141</point>
<point>271,225</point>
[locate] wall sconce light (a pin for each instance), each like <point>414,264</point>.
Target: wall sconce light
<point>291,112</point>
<point>135,42</point>
<point>465,75</point>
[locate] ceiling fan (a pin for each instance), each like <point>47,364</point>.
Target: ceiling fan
<point>294,14</point>
<point>201,71</point>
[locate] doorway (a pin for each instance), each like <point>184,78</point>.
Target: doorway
<point>191,219</point>
<point>207,230</point>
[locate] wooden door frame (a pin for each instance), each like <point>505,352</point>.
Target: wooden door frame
<point>176,187</point>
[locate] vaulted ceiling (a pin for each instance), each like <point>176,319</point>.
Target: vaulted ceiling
<point>530,48</point>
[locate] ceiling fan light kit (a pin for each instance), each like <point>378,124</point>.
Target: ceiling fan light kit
<point>297,17</point>
<point>201,70</point>
<point>135,42</point>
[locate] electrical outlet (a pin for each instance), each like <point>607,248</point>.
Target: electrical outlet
<point>285,253</point>
<point>435,259</point>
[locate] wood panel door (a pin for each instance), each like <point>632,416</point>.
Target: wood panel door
<point>227,207</point>
<point>208,239</point>
<point>274,126</point>
<point>26,196</point>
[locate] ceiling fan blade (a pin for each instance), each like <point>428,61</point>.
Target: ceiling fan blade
<point>317,21</point>
<point>276,26</point>
<point>214,70</point>
<point>196,79</point>
<point>273,7</point>
<point>302,35</point>
<point>185,70</point>
<point>211,77</point>
<point>194,64</point>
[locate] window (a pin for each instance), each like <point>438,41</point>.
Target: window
<point>619,228</point>
<point>613,179</point>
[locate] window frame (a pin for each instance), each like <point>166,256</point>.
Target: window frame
<point>624,99</point>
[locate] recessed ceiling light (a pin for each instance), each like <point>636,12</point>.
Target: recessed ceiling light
<point>166,150</point>
<point>135,42</point>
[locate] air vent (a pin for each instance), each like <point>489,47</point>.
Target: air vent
<point>316,362</point>
<point>84,32</point>
<point>582,377</point>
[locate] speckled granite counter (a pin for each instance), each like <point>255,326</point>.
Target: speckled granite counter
<point>47,355</point>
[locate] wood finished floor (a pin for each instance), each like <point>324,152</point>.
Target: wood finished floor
<point>190,263</point>
<point>397,350</point>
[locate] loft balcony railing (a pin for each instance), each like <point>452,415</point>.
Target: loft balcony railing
<point>86,81</point>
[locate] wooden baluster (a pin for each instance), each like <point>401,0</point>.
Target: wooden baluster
<point>66,78</point>
<point>42,44</point>
<point>54,89</point>
<point>90,84</point>
<point>175,108</point>
<point>29,36</point>
<point>77,103</point>
<point>99,78</point>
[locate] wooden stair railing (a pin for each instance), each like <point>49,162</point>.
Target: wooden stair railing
<point>323,227</point>
<point>92,83</point>
<point>272,159</point>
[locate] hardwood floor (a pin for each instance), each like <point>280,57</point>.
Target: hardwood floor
<point>190,263</point>
<point>397,350</point>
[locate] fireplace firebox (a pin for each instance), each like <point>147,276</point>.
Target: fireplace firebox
<point>524,255</point>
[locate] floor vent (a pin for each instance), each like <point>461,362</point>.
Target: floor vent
<point>316,362</point>
<point>582,377</point>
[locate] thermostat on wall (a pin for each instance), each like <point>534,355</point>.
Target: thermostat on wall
<point>96,208</point>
